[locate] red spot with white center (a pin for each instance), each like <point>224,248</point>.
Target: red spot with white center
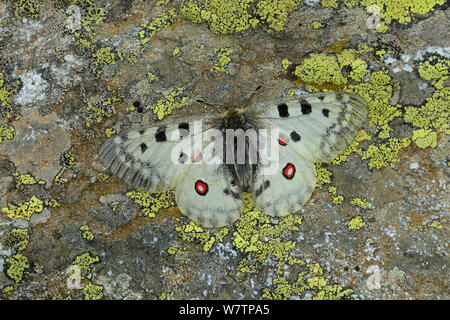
<point>201,187</point>
<point>282,141</point>
<point>289,171</point>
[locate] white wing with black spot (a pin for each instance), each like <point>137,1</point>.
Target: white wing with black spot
<point>155,158</point>
<point>208,195</point>
<point>316,127</point>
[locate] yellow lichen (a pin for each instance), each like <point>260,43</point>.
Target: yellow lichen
<point>223,56</point>
<point>152,77</point>
<point>92,291</point>
<point>150,203</point>
<point>7,132</point>
<point>17,265</point>
<point>17,239</point>
<point>388,11</point>
<point>285,63</point>
<point>353,147</point>
<point>88,235</point>
<point>323,175</point>
<point>385,154</point>
<point>432,119</point>
<point>317,25</point>
<point>109,132</point>
<point>156,25</point>
<point>173,101</point>
<point>436,224</point>
<point>362,203</point>
<point>84,260</point>
<point>28,8</point>
<point>356,223</point>
<point>24,210</point>
<point>225,17</point>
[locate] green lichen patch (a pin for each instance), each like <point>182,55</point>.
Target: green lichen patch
<point>192,232</point>
<point>6,108</point>
<point>152,77</point>
<point>84,261</point>
<point>17,239</point>
<point>162,21</point>
<point>25,8</point>
<point>387,11</point>
<point>96,113</point>
<point>68,169</point>
<point>309,280</point>
<point>226,17</point>
<point>326,70</point>
<point>93,16</point>
<point>150,204</point>
<point>323,175</point>
<point>258,237</point>
<point>92,291</point>
<point>104,56</point>
<point>24,210</point>
<point>356,223</point>
<point>87,234</point>
<point>18,263</point>
<point>317,25</point>
<point>7,132</point>
<point>432,118</point>
<point>362,203</point>
<point>385,154</point>
<point>223,57</point>
<point>174,100</point>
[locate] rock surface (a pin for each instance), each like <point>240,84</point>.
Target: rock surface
<point>73,73</point>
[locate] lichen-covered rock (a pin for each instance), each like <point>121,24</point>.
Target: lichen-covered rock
<point>74,73</point>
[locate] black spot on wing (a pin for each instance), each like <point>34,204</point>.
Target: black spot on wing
<point>283,110</point>
<point>326,112</point>
<point>306,107</point>
<point>141,132</point>
<point>143,147</point>
<point>183,129</point>
<point>160,135</point>
<point>321,97</point>
<point>295,136</point>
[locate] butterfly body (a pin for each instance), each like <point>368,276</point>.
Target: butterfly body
<point>231,156</point>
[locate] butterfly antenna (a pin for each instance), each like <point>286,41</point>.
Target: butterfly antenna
<point>249,99</point>
<point>214,105</point>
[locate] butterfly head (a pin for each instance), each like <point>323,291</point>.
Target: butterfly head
<point>234,118</point>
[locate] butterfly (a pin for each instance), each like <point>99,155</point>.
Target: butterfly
<point>210,171</point>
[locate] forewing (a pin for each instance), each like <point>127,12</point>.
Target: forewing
<point>318,126</point>
<point>154,158</point>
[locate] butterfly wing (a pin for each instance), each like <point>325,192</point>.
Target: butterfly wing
<point>312,128</point>
<point>154,158</point>
<point>318,126</point>
<point>286,186</point>
<point>166,157</point>
<point>208,195</point>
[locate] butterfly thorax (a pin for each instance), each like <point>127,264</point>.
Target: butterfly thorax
<point>236,120</point>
